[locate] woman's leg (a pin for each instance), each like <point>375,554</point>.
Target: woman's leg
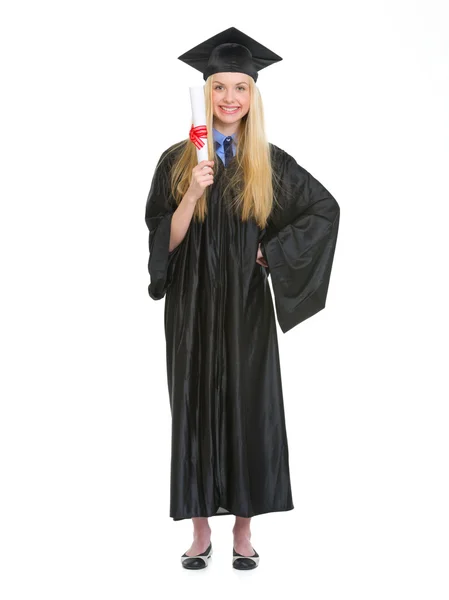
<point>201,536</point>
<point>242,536</point>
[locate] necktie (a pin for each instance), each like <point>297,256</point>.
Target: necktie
<point>227,150</point>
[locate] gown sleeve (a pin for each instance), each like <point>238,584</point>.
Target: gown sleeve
<point>159,210</point>
<point>299,244</point>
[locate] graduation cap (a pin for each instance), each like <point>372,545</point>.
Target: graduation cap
<point>231,50</point>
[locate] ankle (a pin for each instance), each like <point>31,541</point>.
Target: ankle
<point>240,531</point>
<point>202,533</point>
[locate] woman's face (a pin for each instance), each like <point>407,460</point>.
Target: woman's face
<point>230,91</point>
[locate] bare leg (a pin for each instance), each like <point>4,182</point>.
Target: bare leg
<point>201,536</point>
<point>242,536</point>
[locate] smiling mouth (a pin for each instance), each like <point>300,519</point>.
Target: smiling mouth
<point>230,110</point>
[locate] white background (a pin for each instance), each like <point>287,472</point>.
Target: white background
<point>92,93</point>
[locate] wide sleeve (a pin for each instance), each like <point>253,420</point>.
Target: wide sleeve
<point>159,210</point>
<point>299,244</point>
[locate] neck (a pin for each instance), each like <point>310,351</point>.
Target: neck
<point>225,128</point>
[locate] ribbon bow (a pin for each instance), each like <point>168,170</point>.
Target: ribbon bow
<point>196,133</point>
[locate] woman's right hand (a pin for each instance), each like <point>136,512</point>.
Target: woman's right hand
<point>202,176</point>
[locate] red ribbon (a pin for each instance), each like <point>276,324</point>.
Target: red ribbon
<point>196,133</point>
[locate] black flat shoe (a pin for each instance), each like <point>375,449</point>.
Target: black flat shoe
<point>244,562</point>
<point>197,561</point>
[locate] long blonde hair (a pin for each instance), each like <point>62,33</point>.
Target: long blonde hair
<point>252,180</point>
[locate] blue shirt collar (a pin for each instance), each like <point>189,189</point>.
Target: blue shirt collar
<point>220,138</point>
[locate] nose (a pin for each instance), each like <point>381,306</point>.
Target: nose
<point>229,96</point>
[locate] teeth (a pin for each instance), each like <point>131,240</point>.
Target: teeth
<point>230,109</point>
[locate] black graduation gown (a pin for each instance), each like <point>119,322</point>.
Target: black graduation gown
<point>229,450</point>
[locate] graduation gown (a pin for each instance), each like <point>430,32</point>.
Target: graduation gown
<point>229,447</point>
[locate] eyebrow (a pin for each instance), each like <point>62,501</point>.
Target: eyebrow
<point>235,84</point>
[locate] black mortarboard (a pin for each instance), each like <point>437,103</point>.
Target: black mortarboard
<point>230,50</point>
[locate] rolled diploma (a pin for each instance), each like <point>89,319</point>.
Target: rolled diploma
<point>199,117</point>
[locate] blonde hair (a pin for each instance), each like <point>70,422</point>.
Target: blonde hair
<point>251,180</point>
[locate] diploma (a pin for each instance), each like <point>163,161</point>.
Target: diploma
<point>198,103</point>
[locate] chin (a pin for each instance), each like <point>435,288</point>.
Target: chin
<point>228,121</point>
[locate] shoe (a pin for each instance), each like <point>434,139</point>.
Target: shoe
<point>197,561</point>
<point>244,562</point>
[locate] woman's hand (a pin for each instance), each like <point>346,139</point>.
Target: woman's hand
<point>202,176</point>
<point>260,259</point>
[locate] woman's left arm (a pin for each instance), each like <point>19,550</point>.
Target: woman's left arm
<point>299,246</point>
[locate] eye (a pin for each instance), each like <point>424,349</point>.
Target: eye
<point>240,87</point>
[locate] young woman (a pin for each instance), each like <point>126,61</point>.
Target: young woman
<point>218,229</point>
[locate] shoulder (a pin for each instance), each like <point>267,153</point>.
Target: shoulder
<point>170,154</point>
<point>279,152</point>
<point>287,170</point>
<point>283,161</point>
